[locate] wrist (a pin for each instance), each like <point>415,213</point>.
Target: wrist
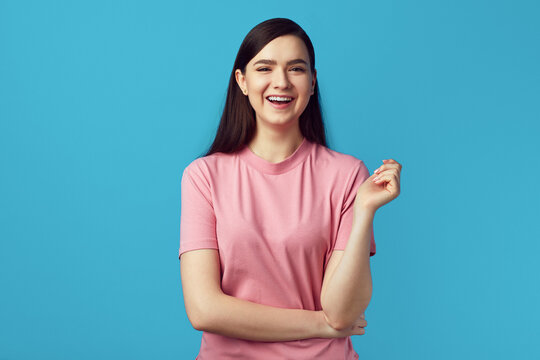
<point>364,213</point>
<point>322,325</point>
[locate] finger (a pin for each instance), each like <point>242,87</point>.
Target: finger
<point>361,331</point>
<point>395,172</point>
<point>358,331</point>
<point>386,176</point>
<point>386,167</point>
<point>389,182</point>
<point>392,171</point>
<point>392,161</point>
<point>361,323</point>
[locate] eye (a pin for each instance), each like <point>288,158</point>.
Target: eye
<point>263,69</point>
<point>298,69</point>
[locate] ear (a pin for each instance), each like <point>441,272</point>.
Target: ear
<point>240,80</point>
<point>313,81</point>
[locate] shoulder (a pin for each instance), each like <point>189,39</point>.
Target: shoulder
<point>208,167</point>
<point>338,162</point>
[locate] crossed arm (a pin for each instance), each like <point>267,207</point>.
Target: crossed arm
<point>345,295</point>
<point>209,309</point>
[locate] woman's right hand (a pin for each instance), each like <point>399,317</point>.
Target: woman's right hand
<point>356,329</point>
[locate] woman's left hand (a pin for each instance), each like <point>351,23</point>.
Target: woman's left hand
<point>380,188</point>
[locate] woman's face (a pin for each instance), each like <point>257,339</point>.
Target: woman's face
<point>280,69</point>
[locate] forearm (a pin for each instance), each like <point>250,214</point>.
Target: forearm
<point>349,289</point>
<point>238,318</point>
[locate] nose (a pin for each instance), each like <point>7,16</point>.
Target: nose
<point>280,79</point>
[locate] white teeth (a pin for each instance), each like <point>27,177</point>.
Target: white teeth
<point>279,98</point>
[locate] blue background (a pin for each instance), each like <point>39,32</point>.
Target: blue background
<point>104,103</point>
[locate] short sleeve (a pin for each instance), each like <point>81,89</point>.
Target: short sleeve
<point>347,213</point>
<point>197,217</point>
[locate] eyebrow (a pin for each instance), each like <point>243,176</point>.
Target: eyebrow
<point>273,62</point>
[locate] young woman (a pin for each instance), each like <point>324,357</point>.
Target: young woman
<point>276,229</point>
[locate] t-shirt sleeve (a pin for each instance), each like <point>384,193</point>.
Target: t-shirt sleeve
<point>197,217</point>
<point>347,212</point>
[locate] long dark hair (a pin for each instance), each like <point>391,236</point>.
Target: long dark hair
<point>237,126</point>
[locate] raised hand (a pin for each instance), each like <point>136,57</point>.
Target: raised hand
<point>380,188</point>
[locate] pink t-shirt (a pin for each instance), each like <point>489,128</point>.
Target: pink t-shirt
<point>275,226</point>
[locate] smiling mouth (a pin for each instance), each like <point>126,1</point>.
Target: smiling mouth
<point>279,99</point>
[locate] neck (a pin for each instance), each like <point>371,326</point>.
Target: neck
<point>275,147</point>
